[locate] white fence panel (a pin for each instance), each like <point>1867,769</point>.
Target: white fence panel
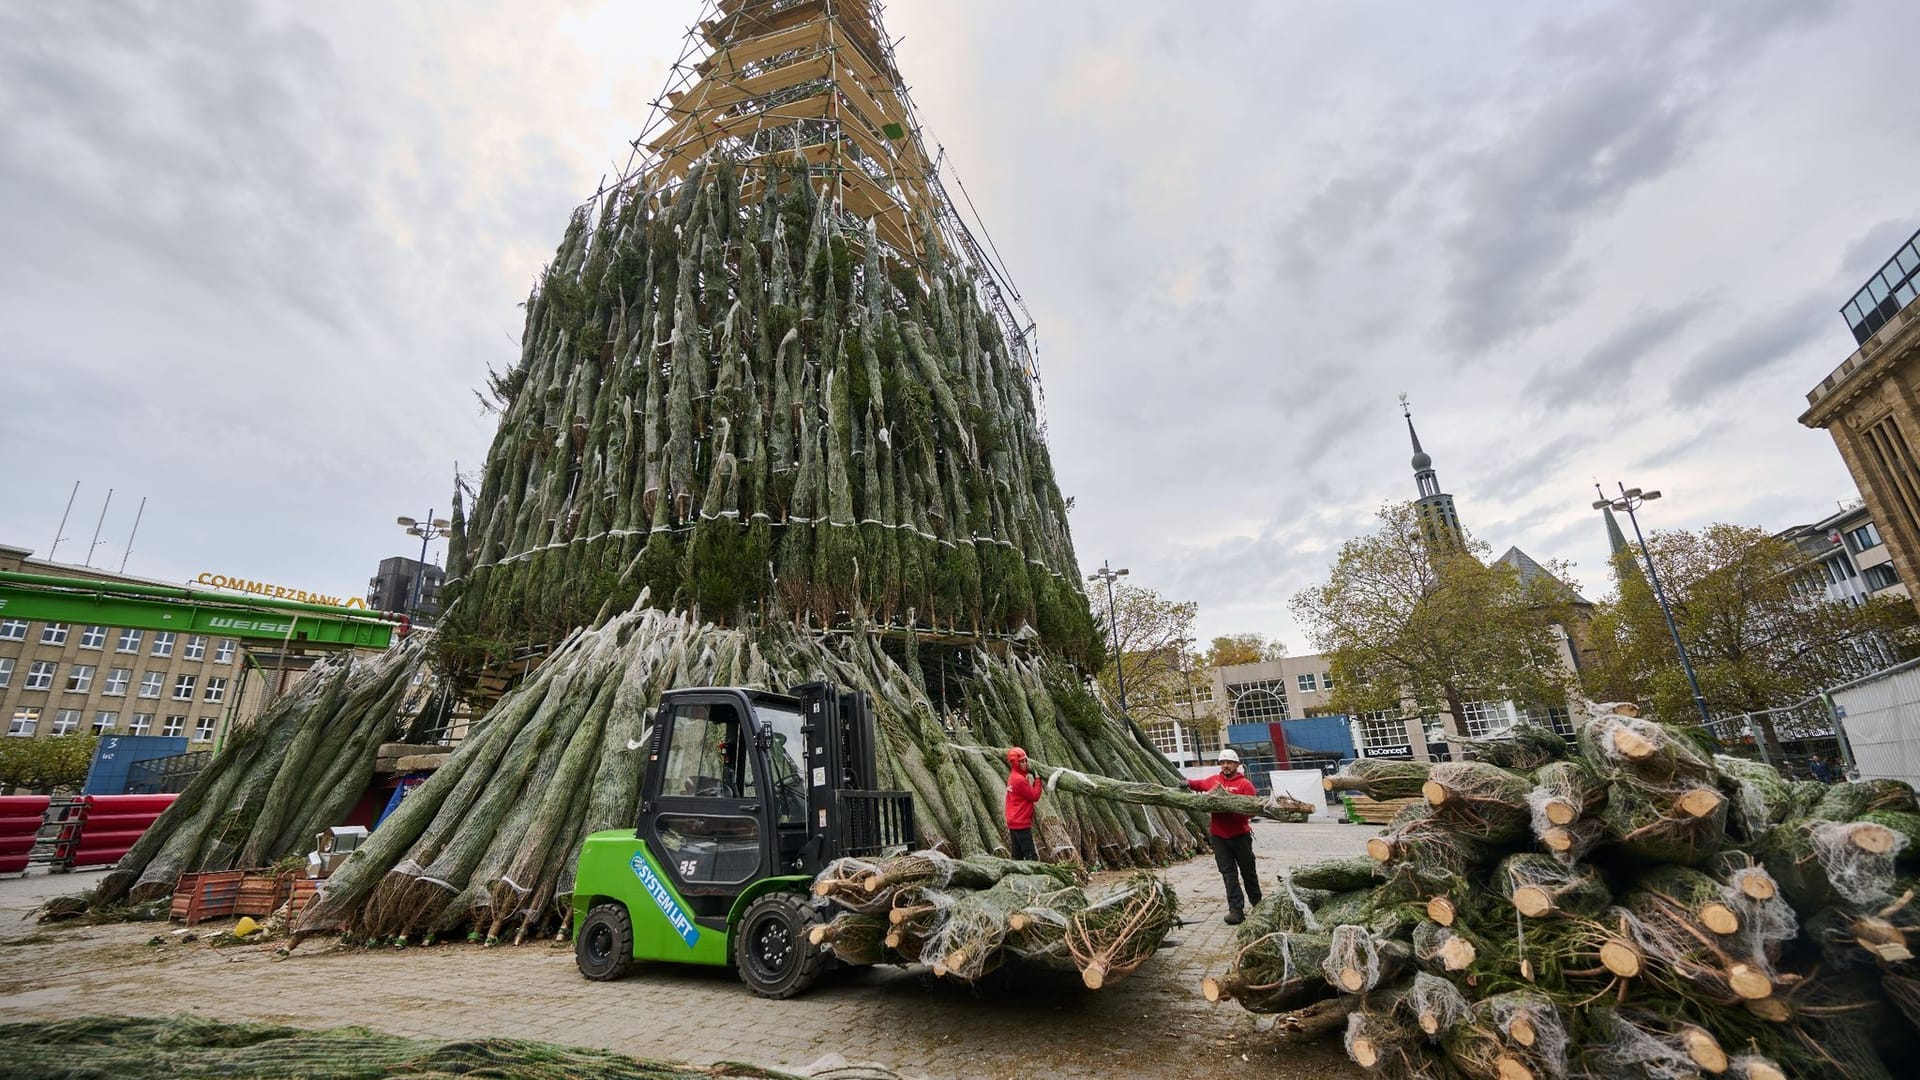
<point>1881,716</point>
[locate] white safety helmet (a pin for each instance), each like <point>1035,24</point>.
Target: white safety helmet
<point>1229,755</point>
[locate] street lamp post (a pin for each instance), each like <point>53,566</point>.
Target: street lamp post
<point>432,528</point>
<point>1186,679</point>
<point>1630,500</point>
<point>1109,575</point>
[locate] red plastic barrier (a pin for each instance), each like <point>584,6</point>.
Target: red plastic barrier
<point>102,838</point>
<point>12,864</point>
<point>16,845</point>
<point>120,821</point>
<point>128,804</point>
<point>84,857</point>
<point>22,805</point>
<point>11,825</point>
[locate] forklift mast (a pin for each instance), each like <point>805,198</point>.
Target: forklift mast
<point>847,812</point>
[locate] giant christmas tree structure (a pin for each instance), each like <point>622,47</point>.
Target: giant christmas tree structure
<point>774,420</point>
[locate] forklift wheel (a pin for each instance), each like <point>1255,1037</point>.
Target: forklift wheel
<point>603,945</point>
<point>771,949</point>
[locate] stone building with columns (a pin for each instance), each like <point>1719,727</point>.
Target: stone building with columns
<point>1870,404</point>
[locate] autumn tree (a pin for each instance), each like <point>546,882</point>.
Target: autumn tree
<point>44,765</point>
<point>1403,623</point>
<point>1153,649</point>
<point>1755,619</point>
<point>1231,649</point>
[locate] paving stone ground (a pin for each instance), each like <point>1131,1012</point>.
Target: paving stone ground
<point>1155,1023</point>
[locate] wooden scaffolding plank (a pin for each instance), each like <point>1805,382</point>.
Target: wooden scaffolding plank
<point>729,59</point>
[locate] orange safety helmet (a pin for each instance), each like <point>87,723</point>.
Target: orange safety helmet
<point>1015,755</point>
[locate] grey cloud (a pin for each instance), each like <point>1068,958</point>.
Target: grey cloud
<point>1767,341</point>
<point>1609,364</point>
<point>1522,474</point>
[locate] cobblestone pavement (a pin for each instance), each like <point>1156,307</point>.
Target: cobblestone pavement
<point>1154,1023</point>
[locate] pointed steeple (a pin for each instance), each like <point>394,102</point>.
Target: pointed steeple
<point>1439,520</point>
<point>1616,540</point>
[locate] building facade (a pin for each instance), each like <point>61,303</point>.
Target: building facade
<point>1850,560</point>
<point>391,587</point>
<point>62,678</point>
<point>1870,405</point>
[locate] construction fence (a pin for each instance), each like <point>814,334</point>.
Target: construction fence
<point>1867,728</point>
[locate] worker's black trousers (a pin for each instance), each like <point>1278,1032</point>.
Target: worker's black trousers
<point>1234,857</point>
<point>1023,844</point>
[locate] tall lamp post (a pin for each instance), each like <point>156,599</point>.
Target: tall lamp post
<point>1184,644</point>
<point>1109,575</point>
<point>432,528</point>
<point>1630,500</point>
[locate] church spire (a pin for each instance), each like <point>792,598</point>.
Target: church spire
<point>1438,518</point>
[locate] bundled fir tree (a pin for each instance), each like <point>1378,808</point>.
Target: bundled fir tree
<point>1629,906</point>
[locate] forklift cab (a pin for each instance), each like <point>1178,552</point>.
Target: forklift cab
<point>724,800</point>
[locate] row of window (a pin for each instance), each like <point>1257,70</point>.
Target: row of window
<point>41,675</point>
<point>1387,727</point>
<point>1886,292</point>
<point>26,720</point>
<point>192,646</point>
<point>1308,683</point>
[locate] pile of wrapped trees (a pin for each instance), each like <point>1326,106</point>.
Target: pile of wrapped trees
<point>964,918</point>
<point>486,848</point>
<point>1633,905</point>
<point>297,769</point>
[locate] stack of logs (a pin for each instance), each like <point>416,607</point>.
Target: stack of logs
<point>1633,904</point>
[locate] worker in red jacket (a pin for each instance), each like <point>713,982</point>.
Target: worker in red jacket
<point>1232,837</point>
<point>1023,790</point>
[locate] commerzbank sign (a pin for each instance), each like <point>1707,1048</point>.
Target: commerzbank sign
<point>277,592</point>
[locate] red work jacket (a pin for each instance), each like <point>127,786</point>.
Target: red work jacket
<point>1227,826</point>
<point>1023,790</point>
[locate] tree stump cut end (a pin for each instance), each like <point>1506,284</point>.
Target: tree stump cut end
<point>1632,745</point>
<point>1749,982</point>
<point>1704,1050</point>
<point>1380,848</point>
<point>1532,901</point>
<point>1440,910</point>
<point>1700,802</point>
<point>1620,958</point>
<point>1873,839</point>
<point>1511,1068</point>
<point>1561,812</point>
<point>1719,918</point>
<point>1436,793</point>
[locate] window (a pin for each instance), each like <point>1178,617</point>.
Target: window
<point>80,679</point>
<point>196,647</point>
<point>223,652</point>
<point>24,721</point>
<point>721,845</point>
<point>1259,702</point>
<point>163,643</point>
<point>1864,538</point>
<point>54,633</point>
<point>183,687</point>
<point>1383,727</point>
<point>174,727</point>
<point>117,680</point>
<point>1483,718</point>
<point>216,688</point>
<point>40,675</point>
<point>1326,681</point>
<point>150,683</point>
<point>1307,683</point>
<point>13,629</point>
<point>142,723</point>
<point>93,637</point>
<point>66,721</point>
<point>1881,576</point>
<point>203,728</point>
<point>104,722</point>
<point>129,641</point>
<point>6,671</point>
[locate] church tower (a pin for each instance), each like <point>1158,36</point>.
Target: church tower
<point>1439,521</point>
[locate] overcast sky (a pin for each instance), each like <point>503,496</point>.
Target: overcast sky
<point>258,256</point>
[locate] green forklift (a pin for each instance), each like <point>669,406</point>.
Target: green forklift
<point>745,797</point>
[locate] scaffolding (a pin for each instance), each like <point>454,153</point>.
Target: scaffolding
<point>765,83</point>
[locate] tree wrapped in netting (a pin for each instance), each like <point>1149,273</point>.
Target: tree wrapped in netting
<point>1379,778</point>
<point>1114,935</point>
<point>1663,912</point>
